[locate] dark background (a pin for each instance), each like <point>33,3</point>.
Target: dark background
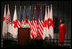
<point>60,9</point>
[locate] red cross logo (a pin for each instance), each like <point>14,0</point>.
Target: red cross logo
<point>50,22</point>
<point>4,19</point>
<point>15,23</point>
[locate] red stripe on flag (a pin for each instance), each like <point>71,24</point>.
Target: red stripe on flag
<point>40,35</point>
<point>40,28</point>
<point>40,31</point>
<point>30,25</point>
<point>19,25</point>
<point>40,24</point>
<point>35,28</point>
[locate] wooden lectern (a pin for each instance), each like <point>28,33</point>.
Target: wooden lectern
<point>23,35</point>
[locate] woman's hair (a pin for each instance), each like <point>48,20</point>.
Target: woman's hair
<point>25,20</point>
<point>62,20</point>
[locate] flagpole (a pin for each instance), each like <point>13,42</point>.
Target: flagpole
<point>2,39</point>
<point>7,26</point>
<point>2,35</point>
<point>7,30</point>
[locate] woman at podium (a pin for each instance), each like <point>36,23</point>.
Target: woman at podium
<point>25,24</point>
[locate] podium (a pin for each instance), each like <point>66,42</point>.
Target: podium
<point>23,35</point>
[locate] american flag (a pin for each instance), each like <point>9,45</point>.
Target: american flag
<point>40,24</point>
<point>34,26</point>
<point>30,21</point>
<point>19,24</point>
<point>20,21</point>
<point>19,18</point>
<point>30,25</point>
<point>24,13</point>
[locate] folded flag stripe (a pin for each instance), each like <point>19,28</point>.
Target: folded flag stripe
<point>19,26</point>
<point>35,28</point>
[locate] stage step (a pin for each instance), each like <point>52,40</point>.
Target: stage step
<point>1,42</point>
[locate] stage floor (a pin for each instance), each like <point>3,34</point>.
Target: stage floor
<point>32,44</point>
